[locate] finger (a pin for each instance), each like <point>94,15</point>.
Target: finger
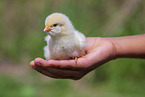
<point>40,61</point>
<point>64,73</point>
<point>53,75</point>
<point>64,64</point>
<point>32,64</point>
<point>45,72</point>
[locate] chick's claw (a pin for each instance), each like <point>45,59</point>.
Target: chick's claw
<point>82,56</point>
<point>76,60</point>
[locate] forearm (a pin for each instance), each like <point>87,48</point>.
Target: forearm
<point>130,46</point>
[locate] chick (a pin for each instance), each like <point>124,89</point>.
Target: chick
<point>63,41</point>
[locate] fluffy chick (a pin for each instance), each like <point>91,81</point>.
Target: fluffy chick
<point>63,41</point>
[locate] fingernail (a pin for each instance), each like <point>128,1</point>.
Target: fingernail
<point>32,63</point>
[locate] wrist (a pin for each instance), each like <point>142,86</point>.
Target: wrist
<point>115,47</point>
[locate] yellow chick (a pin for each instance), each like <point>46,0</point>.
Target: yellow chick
<point>63,41</point>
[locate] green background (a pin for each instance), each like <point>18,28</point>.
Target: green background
<point>22,40</point>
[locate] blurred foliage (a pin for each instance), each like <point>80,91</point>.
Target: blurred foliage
<point>22,39</point>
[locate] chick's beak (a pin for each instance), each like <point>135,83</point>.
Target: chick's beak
<point>47,28</point>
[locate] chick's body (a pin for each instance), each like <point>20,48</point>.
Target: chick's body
<point>63,41</point>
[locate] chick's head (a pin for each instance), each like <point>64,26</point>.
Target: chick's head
<point>58,24</point>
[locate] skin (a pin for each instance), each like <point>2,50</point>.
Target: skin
<point>99,51</point>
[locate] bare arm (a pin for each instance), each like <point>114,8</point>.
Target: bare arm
<point>129,46</point>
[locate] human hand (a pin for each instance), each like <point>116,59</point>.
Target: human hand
<point>99,51</point>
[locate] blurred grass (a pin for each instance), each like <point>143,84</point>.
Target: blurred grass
<point>22,39</point>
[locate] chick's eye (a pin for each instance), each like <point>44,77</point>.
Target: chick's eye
<point>55,25</point>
